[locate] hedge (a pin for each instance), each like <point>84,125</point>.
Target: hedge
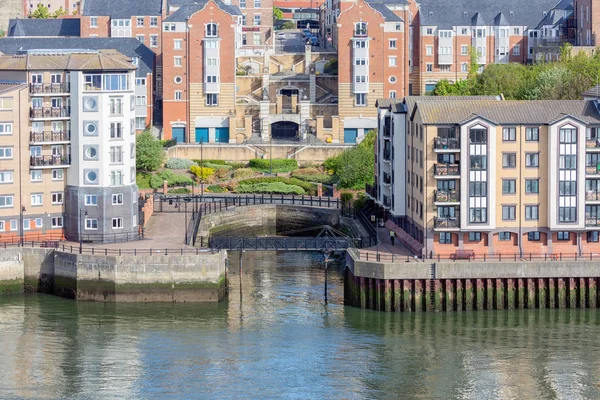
<point>216,189</point>
<point>218,162</point>
<point>142,180</point>
<point>179,163</point>
<point>243,173</point>
<point>319,178</point>
<point>273,187</point>
<point>307,187</point>
<point>279,164</point>
<point>180,191</point>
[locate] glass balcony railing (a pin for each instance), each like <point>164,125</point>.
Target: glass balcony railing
<point>446,169</point>
<point>446,222</point>
<point>592,170</point>
<point>447,196</point>
<point>592,143</point>
<point>592,221</point>
<point>446,144</point>
<point>49,88</point>
<point>592,196</point>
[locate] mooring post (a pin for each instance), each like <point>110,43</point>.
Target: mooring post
<point>326,259</point>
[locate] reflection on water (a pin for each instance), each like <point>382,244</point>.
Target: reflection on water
<point>275,338</point>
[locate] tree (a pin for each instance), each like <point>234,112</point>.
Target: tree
<point>59,13</point>
<point>41,12</point>
<point>277,14</point>
<point>355,167</point>
<point>149,152</point>
<point>288,25</point>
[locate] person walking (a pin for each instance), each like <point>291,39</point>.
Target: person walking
<point>392,236</point>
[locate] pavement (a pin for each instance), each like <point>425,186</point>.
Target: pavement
<point>387,252</point>
<point>293,42</point>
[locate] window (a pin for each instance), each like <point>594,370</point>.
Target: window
<point>567,136</point>
<point>464,67</point>
<point>178,79</point>
<point>36,199</point>
<point>177,61</point>
<point>532,159</point>
<point>57,198</point>
<point>153,40</point>
<point>242,3</point>
<point>140,123</point>
<point>211,79</point>
<point>567,162</point>
<point>509,160</point>
<point>117,223</point>
<point>39,222</point>
<point>6,177</point>
<point>93,22</point>
<point>5,103</point>
<point>6,128</point>
<point>91,200</point>
<point>567,214</point>
<point>477,215</point>
<point>360,44</point>
<point>116,106</point>
<point>503,236</point>
<point>509,213</point>
<point>132,176</point>
<point>532,186</point>
<point>140,100</point>
<point>392,94</point>
<point>534,236</point>
<point>2,227</point>
<point>532,134</point>
<point>361,79</point>
<point>509,186</point>
<point>392,43</point>
<point>35,151</point>
<point>116,178</point>
<point>567,188</point>
<point>429,31</point>
<point>141,38</point>
<point>429,67</point>
<point>14,225</point>
<point>477,189</point>
<point>36,176</point>
<point>178,95</point>
<point>257,19</point>
<point>563,235</point>
<point>212,99</point>
<point>91,223</point>
<point>154,22</point>
<point>57,174</point>
<point>445,238</point>
<point>177,44</point>
<point>26,224</point>
<point>360,99</point>
<point>474,236</point>
<point>478,162</point>
<point>212,61</point>
<point>256,3</point>
<point>116,155</point>
<point>532,212</point>
<point>593,236</point>
<point>464,50</point>
<point>509,134</point>
<point>116,130</point>
<point>256,38</point>
<point>117,199</point>
<point>91,176</point>
<point>392,61</point>
<point>428,50</point>
<point>360,61</point>
<point>6,153</point>
<point>57,222</point>
<point>6,200</point>
<point>517,50</point>
<point>360,29</point>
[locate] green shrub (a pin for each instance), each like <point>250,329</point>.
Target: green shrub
<point>319,178</point>
<point>179,163</point>
<point>216,162</point>
<point>331,67</point>
<point>279,164</point>
<point>156,182</point>
<point>243,173</point>
<point>174,179</point>
<point>180,191</point>
<point>288,25</point>
<point>361,201</point>
<point>236,165</point>
<point>142,180</point>
<point>306,171</point>
<point>216,189</point>
<point>273,187</point>
<point>202,173</point>
<point>307,187</point>
<point>168,143</point>
<point>346,197</point>
<point>149,153</point>
<point>217,166</point>
<point>222,173</point>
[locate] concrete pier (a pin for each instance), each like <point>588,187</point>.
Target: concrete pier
<point>464,286</point>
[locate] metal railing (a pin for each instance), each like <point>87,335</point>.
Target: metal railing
<point>446,169</point>
<point>44,161</point>
<point>112,237</point>
<point>287,243</point>
<point>592,144</point>
<point>446,196</point>
<point>516,257</point>
<point>446,144</point>
<point>49,88</point>
<point>50,112</point>
<point>439,222</point>
<point>48,137</point>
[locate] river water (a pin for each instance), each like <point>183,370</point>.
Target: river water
<point>276,338</point>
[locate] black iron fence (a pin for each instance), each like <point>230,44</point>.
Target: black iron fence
<point>288,243</point>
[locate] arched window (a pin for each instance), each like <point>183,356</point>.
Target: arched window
<point>360,29</point>
<point>212,30</point>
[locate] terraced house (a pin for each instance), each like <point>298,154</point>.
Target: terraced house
<point>67,145</point>
<point>490,175</point>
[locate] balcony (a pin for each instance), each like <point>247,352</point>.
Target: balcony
<point>592,170</point>
<point>592,221</point>
<point>446,196</point>
<point>49,88</point>
<point>592,144</point>
<point>41,162</point>
<point>387,131</point>
<point>387,179</point>
<point>591,195</point>
<point>50,137</point>
<point>50,113</point>
<point>446,145</point>
<point>446,171</point>
<point>446,223</point>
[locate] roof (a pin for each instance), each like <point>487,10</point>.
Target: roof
<point>477,20</point>
<point>448,13</point>
<point>593,92</point>
<point>500,20</point>
<point>187,10</point>
<point>410,101</point>
<point>122,8</point>
<point>506,112</point>
<point>104,60</point>
<point>130,47</point>
<point>44,27</point>
<point>387,14</point>
<point>6,87</point>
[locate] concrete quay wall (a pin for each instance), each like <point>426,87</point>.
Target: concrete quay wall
<point>464,286</point>
<point>148,278</point>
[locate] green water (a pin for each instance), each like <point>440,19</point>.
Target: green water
<point>276,338</point>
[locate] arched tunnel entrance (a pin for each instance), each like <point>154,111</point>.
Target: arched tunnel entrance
<point>284,130</point>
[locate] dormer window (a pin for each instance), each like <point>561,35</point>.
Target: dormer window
<point>212,30</point>
<point>360,29</point>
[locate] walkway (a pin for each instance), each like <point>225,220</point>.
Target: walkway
<point>387,252</point>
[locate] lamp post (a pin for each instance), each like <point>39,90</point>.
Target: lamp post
<point>23,209</point>
<point>81,230</point>
<point>201,167</point>
<point>271,153</point>
<point>185,219</point>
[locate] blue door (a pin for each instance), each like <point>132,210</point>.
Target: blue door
<point>222,135</point>
<point>201,135</point>
<point>350,135</point>
<point>179,134</point>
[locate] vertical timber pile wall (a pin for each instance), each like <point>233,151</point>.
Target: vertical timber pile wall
<point>467,286</point>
